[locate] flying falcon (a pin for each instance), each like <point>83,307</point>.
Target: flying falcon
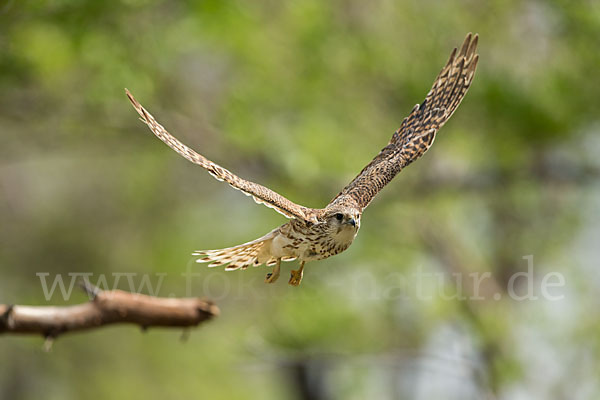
<point>314,234</point>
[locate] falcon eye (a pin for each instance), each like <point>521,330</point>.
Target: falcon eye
<point>339,216</point>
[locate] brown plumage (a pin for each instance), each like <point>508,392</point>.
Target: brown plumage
<point>314,234</point>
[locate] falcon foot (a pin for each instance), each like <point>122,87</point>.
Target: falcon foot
<point>296,276</point>
<point>273,276</point>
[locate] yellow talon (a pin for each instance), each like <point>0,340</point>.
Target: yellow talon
<point>296,276</point>
<point>273,276</point>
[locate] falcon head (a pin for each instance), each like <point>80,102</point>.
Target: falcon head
<point>343,219</point>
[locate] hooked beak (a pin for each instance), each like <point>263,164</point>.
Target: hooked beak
<point>352,222</point>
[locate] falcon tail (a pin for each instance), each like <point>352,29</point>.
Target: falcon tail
<point>255,253</point>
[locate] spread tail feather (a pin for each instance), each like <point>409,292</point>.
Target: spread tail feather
<point>255,253</point>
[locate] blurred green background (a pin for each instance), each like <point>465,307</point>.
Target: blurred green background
<point>299,96</point>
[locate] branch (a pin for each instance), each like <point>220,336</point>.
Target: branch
<point>105,308</point>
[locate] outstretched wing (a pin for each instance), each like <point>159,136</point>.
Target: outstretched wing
<point>418,130</point>
<point>259,193</point>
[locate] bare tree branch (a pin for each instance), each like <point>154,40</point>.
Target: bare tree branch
<point>105,308</point>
